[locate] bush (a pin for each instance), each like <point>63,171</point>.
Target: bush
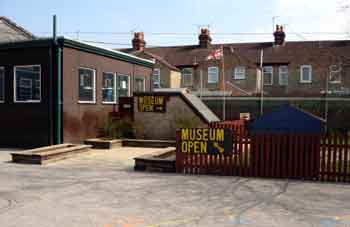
<point>116,128</point>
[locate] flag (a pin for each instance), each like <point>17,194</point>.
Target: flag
<point>216,54</point>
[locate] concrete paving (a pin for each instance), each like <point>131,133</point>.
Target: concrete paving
<point>100,189</point>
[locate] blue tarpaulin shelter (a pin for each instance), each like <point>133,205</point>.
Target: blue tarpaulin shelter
<point>287,119</point>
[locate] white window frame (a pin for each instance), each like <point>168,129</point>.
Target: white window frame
<point>3,84</point>
<point>93,101</point>
<point>218,75</point>
<point>187,74</point>
<point>15,83</point>
<point>114,88</point>
<point>335,71</point>
<point>263,73</point>
<point>280,72</point>
<point>143,83</point>
<point>301,74</point>
<point>129,84</point>
<point>158,76</point>
<point>239,75</point>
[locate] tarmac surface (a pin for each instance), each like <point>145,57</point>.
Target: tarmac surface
<point>100,189</point>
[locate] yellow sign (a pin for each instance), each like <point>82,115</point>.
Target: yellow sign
<point>206,141</point>
<point>151,103</point>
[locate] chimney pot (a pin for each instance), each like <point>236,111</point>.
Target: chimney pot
<point>204,38</point>
<point>279,35</point>
<point>138,42</point>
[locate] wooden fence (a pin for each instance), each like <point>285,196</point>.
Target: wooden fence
<point>295,156</point>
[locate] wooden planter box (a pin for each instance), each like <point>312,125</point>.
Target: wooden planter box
<point>162,161</point>
<point>47,154</point>
<point>102,143</point>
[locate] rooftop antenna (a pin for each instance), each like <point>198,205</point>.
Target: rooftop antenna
<point>274,19</point>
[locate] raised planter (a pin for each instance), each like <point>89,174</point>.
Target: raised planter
<point>103,143</point>
<point>149,143</point>
<point>161,161</point>
<point>47,154</point>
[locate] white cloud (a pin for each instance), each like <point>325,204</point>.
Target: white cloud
<point>313,16</point>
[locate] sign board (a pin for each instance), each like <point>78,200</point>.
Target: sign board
<point>206,141</point>
<point>151,103</point>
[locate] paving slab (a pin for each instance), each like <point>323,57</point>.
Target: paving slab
<point>100,189</point>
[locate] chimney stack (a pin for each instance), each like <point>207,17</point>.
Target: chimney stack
<point>204,38</point>
<point>279,36</point>
<point>138,42</point>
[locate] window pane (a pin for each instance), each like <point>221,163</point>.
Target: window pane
<point>306,73</point>
<point>268,75</point>
<point>139,85</point>
<point>108,84</point>
<point>86,85</point>
<point>213,74</point>
<point>28,84</point>
<point>186,77</point>
<point>123,86</point>
<point>2,84</point>
<point>283,75</point>
<point>239,73</point>
<point>156,78</point>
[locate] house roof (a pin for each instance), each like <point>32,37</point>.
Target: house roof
<point>152,55</point>
<point>64,42</point>
<point>10,31</point>
<point>181,56</point>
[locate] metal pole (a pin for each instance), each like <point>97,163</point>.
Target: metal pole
<point>223,83</point>
<point>261,83</point>
<point>326,101</point>
<point>201,81</point>
<point>54,28</point>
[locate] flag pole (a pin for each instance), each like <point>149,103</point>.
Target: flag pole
<point>261,83</point>
<point>223,83</point>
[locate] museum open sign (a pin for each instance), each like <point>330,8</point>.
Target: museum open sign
<point>152,103</point>
<point>206,141</point>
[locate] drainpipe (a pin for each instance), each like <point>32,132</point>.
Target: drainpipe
<point>58,49</point>
<point>51,103</point>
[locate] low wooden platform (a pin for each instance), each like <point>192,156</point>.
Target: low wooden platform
<point>161,161</point>
<point>101,143</point>
<point>48,154</point>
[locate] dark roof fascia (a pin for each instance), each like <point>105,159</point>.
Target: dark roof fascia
<point>27,44</point>
<point>176,93</point>
<point>103,52</point>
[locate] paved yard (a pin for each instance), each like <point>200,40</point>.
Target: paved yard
<point>100,189</point>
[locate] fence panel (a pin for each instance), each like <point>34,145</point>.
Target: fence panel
<point>311,157</point>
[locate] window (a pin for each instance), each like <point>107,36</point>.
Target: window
<point>268,75</point>
<point>123,86</point>
<point>156,78</point>
<point>305,74</point>
<point>27,83</point>
<point>186,77</point>
<point>213,75</point>
<point>87,85</point>
<point>2,84</point>
<point>140,85</point>
<point>108,88</point>
<point>239,73</point>
<point>283,75</point>
<point>335,74</point>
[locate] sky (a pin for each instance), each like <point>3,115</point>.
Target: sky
<point>177,22</point>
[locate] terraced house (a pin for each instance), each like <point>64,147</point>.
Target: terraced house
<point>298,69</point>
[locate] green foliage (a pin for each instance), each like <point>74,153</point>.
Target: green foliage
<point>116,128</point>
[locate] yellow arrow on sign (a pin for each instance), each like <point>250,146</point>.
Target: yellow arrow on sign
<point>217,146</point>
